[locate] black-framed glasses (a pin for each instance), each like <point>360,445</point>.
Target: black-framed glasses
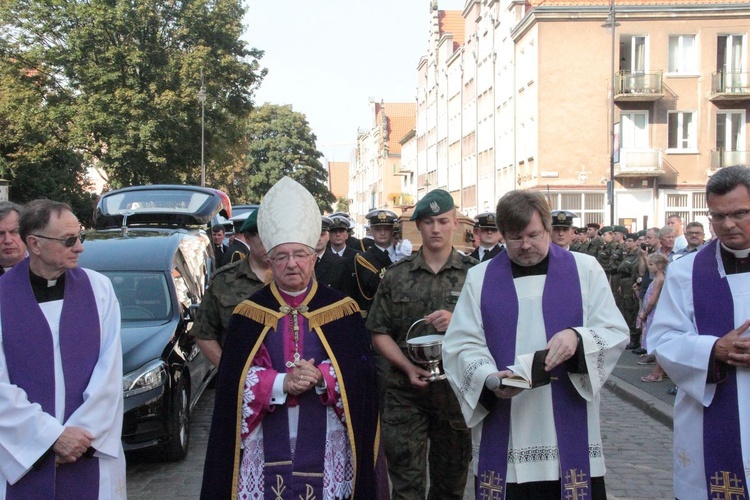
<point>67,242</point>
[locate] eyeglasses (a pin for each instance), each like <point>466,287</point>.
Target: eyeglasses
<point>284,257</point>
<point>736,216</point>
<point>694,233</point>
<point>519,242</point>
<point>67,242</point>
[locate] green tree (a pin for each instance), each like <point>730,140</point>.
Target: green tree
<point>130,73</point>
<point>342,204</point>
<point>281,143</point>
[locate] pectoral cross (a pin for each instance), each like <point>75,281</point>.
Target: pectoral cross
<point>295,330</point>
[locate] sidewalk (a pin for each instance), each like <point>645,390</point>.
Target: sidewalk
<point>651,398</point>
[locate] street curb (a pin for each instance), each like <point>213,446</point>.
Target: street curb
<point>653,407</point>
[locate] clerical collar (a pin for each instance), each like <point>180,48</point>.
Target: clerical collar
<point>535,270</point>
<point>739,254</point>
<point>47,290</point>
<point>294,294</point>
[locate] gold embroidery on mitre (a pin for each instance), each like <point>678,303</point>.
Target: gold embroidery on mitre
<point>490,486</point>
<point>576,485</point>
<point>727,485</point>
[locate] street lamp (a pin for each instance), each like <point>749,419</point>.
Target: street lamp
<point>611,24</point>
<point>202,98</point>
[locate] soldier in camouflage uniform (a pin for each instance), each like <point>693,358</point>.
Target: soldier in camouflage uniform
<point>228,287</point>
<point>615,258</point>
<point>632,267</point>
<point>593,243</point>
<point>604,256</point>
<point>423,285</point>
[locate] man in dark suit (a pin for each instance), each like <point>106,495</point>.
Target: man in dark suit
<point>220,249</point>
<point>489,237</point>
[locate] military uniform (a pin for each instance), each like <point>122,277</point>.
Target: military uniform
<point>228,287</point>
<point>370,266</point>
<point>628,272</point>
<point>410,290</point>
<point>604,256</point>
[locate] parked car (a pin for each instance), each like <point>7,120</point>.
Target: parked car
<point>151,242</point>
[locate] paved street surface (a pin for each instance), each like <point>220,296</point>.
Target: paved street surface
<point>637,447</point>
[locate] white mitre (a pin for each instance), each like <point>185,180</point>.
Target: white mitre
<point>288,214</point>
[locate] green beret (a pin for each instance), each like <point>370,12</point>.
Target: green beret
<point>435,202</point>
<point>642,232</point>
<point>251,223</point>
<point>605,229</point>
<point>621,229</point>
<point>632,236</point>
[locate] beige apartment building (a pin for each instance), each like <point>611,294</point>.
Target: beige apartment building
<point>542,94</point>
<point>376,179</point>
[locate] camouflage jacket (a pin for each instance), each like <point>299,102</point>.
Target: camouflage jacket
<point>228,287</point>
<point>605,256</point>
<point>410,290</point>
<point>628,268</point>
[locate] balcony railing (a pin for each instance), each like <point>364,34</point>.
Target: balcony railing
<point>640,163</point>
<point>721,158</point>
<point>730,86</point>
<point>638,86</point>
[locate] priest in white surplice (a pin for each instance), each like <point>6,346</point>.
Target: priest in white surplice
<point>543,442</point>
<point>700,337</point>
<point>60,368</point>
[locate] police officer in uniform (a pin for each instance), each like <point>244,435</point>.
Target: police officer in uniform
<point>562,228</point>
<point>489,237</point>
<point>424,285</point>
<point>230,285</point>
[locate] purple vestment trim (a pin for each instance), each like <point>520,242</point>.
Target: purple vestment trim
<point>309,454</point>
<point>714,315</point>
<point>562,307</point>
<point>29,353</point>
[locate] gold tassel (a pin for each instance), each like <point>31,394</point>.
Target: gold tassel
<point>259,314</point>
<point>335,311</point>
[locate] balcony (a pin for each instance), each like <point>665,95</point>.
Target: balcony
<point>633,87</point>
<point>402,169</point>
<point>639,163</point>
<point>721,158</point>
<point>729,86</point>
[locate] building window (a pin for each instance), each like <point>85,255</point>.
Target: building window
<point>682,54</point>
<point>588,206</point>
<point>634,130</point>
<point>681,130</point>
<point>690,206</point>
<point>730,130</point>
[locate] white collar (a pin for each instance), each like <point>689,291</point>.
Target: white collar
<point>739,254</point>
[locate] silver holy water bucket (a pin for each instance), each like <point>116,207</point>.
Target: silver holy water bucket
<point>426,350</point>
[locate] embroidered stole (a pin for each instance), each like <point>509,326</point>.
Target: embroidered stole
<point>29,353</point>
<point>714,315</point>
<point>297,474</point>
<point>562,307</point>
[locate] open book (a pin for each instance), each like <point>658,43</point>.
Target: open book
<point>528,372</point>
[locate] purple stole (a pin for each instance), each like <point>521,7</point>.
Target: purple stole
<point>714,315</point>
<point>29,353</point>
<point>562,307</point>
<point>301,475</point>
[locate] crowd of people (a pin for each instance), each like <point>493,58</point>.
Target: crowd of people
<point>318,394</point>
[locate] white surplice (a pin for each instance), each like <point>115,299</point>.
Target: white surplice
<point>26,432</point>
<point>684,355</point>
<point>468,363</point>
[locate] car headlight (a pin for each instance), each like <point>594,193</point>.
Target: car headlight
<point>148,377</point>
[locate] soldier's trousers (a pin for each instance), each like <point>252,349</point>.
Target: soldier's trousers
<point>629,303</point>
<point>615,284</point>
<point>414,421</point>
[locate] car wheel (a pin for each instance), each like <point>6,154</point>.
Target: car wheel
<point>177,447</point>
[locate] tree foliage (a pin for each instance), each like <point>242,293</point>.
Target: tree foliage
<point>117,82</point>
<point>280,143</point>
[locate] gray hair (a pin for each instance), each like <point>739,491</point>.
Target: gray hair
<point>36,215</point>
<point>696,224</point>
<point>6,207</point>
<point>516,208</point>
<point>728,178</point>
<point>666,231</point>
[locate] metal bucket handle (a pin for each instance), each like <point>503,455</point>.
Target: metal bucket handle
<point>408,332</point>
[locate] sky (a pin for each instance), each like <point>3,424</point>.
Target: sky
<point>328,58</point>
